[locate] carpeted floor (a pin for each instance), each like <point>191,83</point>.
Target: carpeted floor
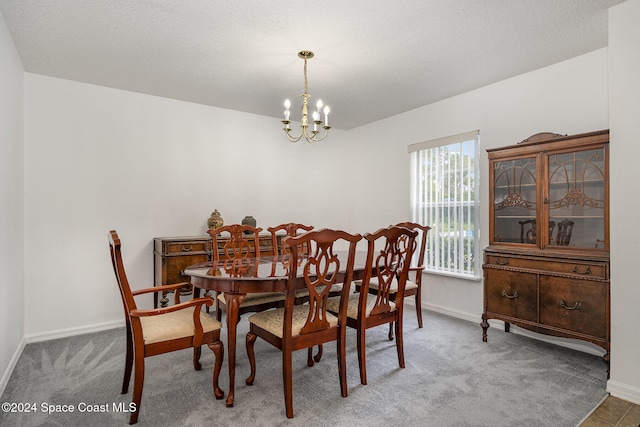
<point>451,378</point>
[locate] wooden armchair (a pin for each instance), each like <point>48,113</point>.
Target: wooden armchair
<point>372,307</point>
<point>296,327</point>
<point>162,330</point>
<point>243,243</point>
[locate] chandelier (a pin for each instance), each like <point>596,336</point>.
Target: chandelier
<point>314,134</point>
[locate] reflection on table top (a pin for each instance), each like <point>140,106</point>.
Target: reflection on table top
<point>259,269</point>
<point>263,268</point>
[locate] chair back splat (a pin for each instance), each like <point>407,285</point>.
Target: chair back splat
<point>294,326</point>
<point>243,243</point>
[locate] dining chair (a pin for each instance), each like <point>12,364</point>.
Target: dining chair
<point>296,327</point>
<point>162,330</point>
<point>413,287</point>
<point>389,252</point>
<point>243,243</point>
<point>291,230</point>
<point>565,228</point>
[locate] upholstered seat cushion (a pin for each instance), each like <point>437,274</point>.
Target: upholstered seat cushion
<point>257,298</point>
<point>333,305</point>
<point>373,284</point>
<point>272,320</point>
<point>174,325</point>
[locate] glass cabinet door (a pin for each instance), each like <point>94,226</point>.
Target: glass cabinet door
<point>575,201</point>
<point>514,201</point>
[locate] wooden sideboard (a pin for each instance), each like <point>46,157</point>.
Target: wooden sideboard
<point>171,255</point>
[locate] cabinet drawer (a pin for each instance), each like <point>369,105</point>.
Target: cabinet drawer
<point>175,265</point>
<point>576,305</point>
<point>512,294</point>
<point>186,247</point>
<point>579,268</point>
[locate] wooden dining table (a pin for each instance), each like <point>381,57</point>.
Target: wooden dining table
<point>237,278</point>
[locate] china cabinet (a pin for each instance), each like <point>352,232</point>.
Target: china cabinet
<point>546,268</point>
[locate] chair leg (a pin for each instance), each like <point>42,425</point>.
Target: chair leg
<point>250,341</point>
<point>218,350</point>
<point>138,383</point>
<point>311,357</point>
<point>342,364</point>
<point>218,309</point>
<point>197,351</point>
<point>400,342</point>
<point>391,331</point>
<point>128,361</point>
<point>287,380</point>
<point>362,357</point>
<point>419,307</point>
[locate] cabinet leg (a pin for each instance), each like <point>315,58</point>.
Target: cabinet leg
<point>485,326</point>
<point>164,301</point>
<point>507,326</point>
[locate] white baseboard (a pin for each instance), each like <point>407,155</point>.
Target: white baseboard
<point>624,391</point>
<point>453,313</point>
<point>79,330</point>
<point>573,344</point>
<point>12,365</point>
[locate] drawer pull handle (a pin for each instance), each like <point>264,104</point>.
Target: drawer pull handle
<point>187,249</point>
<point>576,306</point>
<point>586,272</point>
<point>502,261</point>
<point>505,294</point>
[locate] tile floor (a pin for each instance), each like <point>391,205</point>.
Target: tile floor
<point>614,412</point>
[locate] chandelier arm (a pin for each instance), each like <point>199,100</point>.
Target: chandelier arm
<point>315,137</point>
<point>292,138</point>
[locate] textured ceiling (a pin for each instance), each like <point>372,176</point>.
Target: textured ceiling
<point>373,59</point>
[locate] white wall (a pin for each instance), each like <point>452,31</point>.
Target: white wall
<point>98,159</point>
<point>624,90</point>
<point>11,211</point>
<point>569,97</point>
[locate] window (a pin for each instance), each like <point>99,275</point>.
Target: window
<point>444,196</point>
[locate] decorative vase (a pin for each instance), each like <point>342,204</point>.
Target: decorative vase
<point>215,220</point>
<point>249,220</point>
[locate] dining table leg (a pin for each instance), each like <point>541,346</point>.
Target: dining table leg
<point>233,301</point>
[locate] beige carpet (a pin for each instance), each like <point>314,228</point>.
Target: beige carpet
<point>451,378</point>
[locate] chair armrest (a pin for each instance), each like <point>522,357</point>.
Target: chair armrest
<point>197,302</point>
<point>160,288</point>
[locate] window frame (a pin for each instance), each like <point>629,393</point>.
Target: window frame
<point>426,207</point>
